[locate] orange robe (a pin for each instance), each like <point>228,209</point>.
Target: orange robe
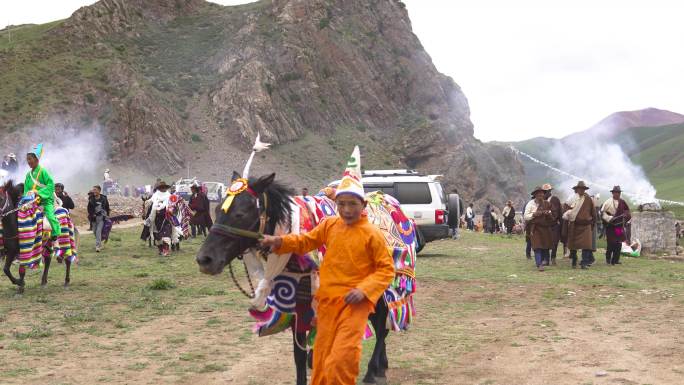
<point>356,257</point>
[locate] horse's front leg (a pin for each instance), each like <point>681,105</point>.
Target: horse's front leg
<point>299,339</point>
<point>7,270</point>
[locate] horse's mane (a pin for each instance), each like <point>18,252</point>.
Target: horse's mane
<point>279,207</point>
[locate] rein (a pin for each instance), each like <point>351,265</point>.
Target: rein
<point>236,232</point>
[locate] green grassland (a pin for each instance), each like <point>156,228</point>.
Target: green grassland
<point>132,316</point>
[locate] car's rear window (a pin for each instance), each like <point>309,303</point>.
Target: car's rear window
<point>387,189</point>
<point>412,193</point>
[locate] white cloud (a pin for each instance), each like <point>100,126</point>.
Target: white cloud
<point>531,69</point>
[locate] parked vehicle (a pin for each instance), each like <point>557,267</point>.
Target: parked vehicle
<point>183,187</point>
<point>421,196</point>
<point>215,191</point>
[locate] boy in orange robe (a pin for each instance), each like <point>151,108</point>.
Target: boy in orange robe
<point>356,270</point>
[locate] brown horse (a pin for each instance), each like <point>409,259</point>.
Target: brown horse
<point>222,245</point>
<point>9,200</point>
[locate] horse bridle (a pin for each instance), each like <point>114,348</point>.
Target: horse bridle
<point>240,234</point>
<point>236,232</point>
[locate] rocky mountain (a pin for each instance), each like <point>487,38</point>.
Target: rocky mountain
<point>184,86</point>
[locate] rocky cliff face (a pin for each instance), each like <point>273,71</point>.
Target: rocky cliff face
<point>188,84</point>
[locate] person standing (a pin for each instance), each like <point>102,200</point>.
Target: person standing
<point>487,219</point>
<point>526,227</point>
<point>5,163</point>
<point>98,211</point>
<point>355,272</point>
<point>201,219</point>
<point>470,217</point>
<point>159,220</point>
<point>539,215</point>
<point>615,214</point>
<point>580,213</point>
<point>62,195</point>
<point>556,208</point>
<point>509,217</point>
<point>40,186</point>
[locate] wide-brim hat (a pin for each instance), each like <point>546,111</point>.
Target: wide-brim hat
<point>163,184</point>
<point>538,188</point>
<point>580,184</point>
<point>547,187</point>
<point>11,155</point>
<point>616,189</point>
<point>351,180</point>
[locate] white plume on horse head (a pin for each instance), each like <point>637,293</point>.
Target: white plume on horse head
<point>258,147</point>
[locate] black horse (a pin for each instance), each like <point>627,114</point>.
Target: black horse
<point>9,200</point>
<point>221,247</point>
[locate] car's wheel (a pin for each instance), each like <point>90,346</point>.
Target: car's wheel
<point>454,214</point>
<point>420,240</point>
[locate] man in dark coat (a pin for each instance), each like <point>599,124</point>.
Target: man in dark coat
<point>539,216</point>
<point>67,202</point>
<point>580,213</point>
<point>98,211</point>
<point>487,219</point>
<point>201,219</point>
<point>557,212</point>
<point>615,214</point>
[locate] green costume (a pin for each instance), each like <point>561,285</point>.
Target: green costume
<point>41,183</point>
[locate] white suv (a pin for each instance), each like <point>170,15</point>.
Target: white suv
<point>421,196</point>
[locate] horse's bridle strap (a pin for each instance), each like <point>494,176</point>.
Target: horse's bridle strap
<point>234,231</point>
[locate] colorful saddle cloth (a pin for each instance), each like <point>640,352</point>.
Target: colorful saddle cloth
<point>34,243</point>
<point>291,293</point>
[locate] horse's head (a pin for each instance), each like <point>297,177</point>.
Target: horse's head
<point>249,202</point>
<point>9,195</point>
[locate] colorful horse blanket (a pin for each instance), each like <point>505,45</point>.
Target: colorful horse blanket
<point>34,242</point>
<point>290,298</point>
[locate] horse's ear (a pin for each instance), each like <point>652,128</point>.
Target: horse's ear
<point>235,176</point>
<point>262,183</point>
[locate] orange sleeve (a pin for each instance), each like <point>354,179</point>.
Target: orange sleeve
<point>375,284</point>
<point>303,243</point>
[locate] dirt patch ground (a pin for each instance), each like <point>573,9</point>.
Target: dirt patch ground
<point>485,317</point>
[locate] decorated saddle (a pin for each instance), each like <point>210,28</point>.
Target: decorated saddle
<point>34,238</point>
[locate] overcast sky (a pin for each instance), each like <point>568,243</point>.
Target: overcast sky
<point>528,68</point>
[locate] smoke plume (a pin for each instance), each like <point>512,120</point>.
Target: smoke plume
<point>74,156</point>
<point>593,156</point>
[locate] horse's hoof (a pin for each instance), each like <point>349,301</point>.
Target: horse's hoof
<point>369,379</point>
<point>66,285</point>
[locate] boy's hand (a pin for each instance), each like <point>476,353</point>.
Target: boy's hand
<point>271,241</point>
<point>354,296</point>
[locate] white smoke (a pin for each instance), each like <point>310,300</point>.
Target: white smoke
<point>74,156</point>
<point>602,164</point>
